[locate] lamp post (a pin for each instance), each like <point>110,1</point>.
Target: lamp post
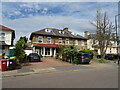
<point>117,35</point>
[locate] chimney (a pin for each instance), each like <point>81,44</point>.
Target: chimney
<point>65,29</point>
<point>86,33</point>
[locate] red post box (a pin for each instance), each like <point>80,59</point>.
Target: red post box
<point>4,64</point>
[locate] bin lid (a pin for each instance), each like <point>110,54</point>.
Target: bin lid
<point>3,60</point>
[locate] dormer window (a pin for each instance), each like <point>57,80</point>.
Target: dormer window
<point>47,30</point>
<point>61,32</point>
<point>40,39</point>
<point>73,33</point>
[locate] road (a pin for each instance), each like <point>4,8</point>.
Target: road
<point>99,76</point>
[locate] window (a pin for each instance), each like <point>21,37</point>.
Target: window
<point>47,30</point>
<point>48,39</point>
<point>76,42</point>
<point>61,32</point>
<point>40,39</point>
<point>82,42</point>
<point>47,51</point>
<point>60,40</point>
<point>67,41</point>
<point>2,36</point>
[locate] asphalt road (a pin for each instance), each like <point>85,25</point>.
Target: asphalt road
<point>96,77</point>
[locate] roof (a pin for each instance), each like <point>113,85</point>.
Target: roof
<point>8,29</point>
<point>5,28</point>
<point>55,32</point>
<point>45,45</point>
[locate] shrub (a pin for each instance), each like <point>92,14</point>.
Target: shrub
<point>17,63</point>
<point>102,60</point>
<point>86,51</point>
<point>75,60</point>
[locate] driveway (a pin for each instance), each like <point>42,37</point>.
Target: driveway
<point>46,62</point>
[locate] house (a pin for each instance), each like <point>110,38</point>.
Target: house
<point>91,45</point>
<point>7,36</point>
<point>45,42</point>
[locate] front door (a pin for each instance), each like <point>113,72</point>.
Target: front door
<point>47,51</point>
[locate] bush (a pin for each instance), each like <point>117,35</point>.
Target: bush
<point>75,60</point>
<point>102,60</point>
<point>17,63</point>
<point>86,51</point>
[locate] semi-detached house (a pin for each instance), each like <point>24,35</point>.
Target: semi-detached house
<point>7,36</point>
<point>45,42</point>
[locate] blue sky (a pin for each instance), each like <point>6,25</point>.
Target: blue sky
<point>27,17</point>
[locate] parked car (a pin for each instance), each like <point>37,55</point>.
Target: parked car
<point>116,56</point>
<point>109,56</point>
<point>33,57</point>
<point>84,58</point>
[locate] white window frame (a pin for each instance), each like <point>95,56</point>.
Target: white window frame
<point>66,42</point>
<point>76,42</point>
<point>60,40</point>
<point>82,43</point>
<point>40,37</point>
<point>2,38</point>
<point>47,39</point>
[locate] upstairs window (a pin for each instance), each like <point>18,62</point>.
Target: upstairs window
<point>48,39</point>
<point>67,41</point>
<point>76,42</point>
<point>60,40</point>
<point>40,39</point>
<point>2,36</point>
<point>82,42</point>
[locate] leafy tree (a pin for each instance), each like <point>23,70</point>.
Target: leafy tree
<point>20,45</point>
<point>69,52</point>
<point>104,31</point>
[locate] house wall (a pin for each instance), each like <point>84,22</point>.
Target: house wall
<point>54,40</point>
<point>110,49</point>
<point>8,37</point>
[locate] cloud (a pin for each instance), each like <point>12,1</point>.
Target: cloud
<point>27,17</point>
<point>25,26</point>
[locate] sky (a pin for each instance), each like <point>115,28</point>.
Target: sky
<point>28,17</point>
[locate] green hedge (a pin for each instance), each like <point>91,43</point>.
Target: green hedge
<point>86,51</point>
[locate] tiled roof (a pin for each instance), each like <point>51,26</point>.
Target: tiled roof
<point>45,45</point>
<point>55,32</point>
<point>5,28</point>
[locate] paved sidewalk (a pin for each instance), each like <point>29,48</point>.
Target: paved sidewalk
<point>24,71</point>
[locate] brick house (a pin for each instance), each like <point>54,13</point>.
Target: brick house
<point>45,42</point>
<point>7,36</point>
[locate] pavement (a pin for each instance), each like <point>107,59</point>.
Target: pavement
<point>51,65</point>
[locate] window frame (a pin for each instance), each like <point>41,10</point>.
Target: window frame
<point>59,40</point>
<point>82,43</point>
<point>2,37</point>
<point>40,37</point>
<point>66,41</point>
<point>50,39</point>
<point>76,43</point>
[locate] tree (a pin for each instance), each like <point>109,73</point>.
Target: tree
<point>20,45</point>
<point>104,32</point>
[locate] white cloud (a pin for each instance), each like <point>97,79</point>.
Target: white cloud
<point>60,0</point>
<point>25,26</point>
